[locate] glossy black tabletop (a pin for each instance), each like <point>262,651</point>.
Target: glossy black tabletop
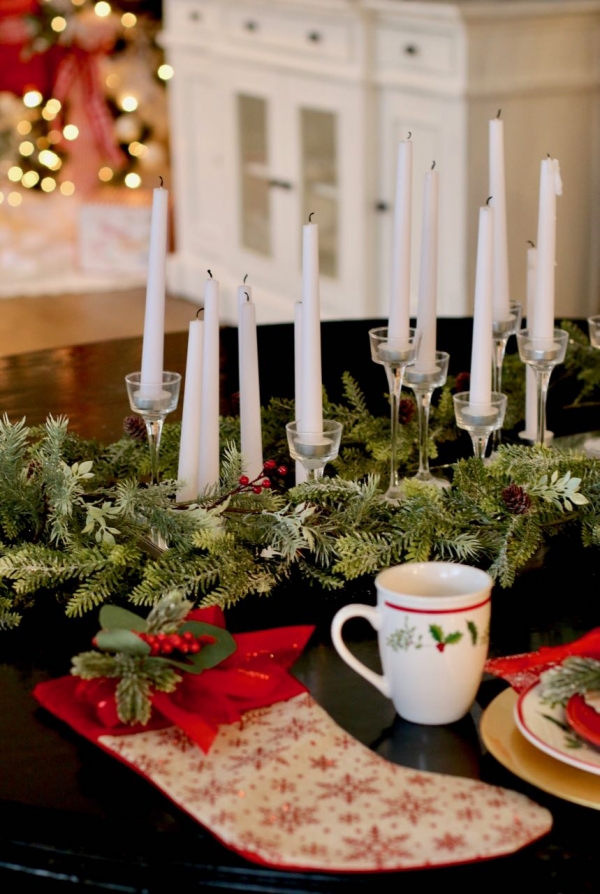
<point>72,818</point>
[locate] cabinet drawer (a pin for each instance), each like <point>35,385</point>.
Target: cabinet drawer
<point>321,39</point>
<point>418,50</point>
<point>189,18</point>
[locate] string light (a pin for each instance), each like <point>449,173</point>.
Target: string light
<point>102,9</point>
<point>165,72</point>
<point>138,150</point>
<point>105,174</point>
<point>67,188</point>
<point>129,103</point>
<point>32,98</point>
<point>42,143</point>
<point>26,148</point>
<point>128,20</point>
<point>49,159</point>
<point>30,179</point>
<point>24,127</point>
<point>133,180</point>
<point>14,199</point>
<point>15,173</point>
<point>58,24</point>
<point>48,184</point>
<point>70,132</point>
<point>112,81</point>
<point>54,136</point>
<point>54,105</point>
<point>1,197</point>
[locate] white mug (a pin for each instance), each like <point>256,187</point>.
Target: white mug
<point>433,623</point>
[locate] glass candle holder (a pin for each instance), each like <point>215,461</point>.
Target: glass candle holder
<point>501,332</point>
<point>542,355</point>
<point>394,355</point>
<point>314,450</point>
<point>153,403</point>
<point>480,420</point>
<point>424,383</point>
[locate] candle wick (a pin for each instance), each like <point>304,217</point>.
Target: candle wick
<point>409,135</point>
<point>529,242</point>
<point>310,216</point>
<point>489,199</point>
<point>549,156</point>
<point>200,313</point>
<point>247,296</point>
<point>432,165</point>
<point>245,277</point>
<point>499,113</point>
<point>209,273</point>
<point>161,181</point>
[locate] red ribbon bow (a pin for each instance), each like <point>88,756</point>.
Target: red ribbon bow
<point>255,676</point>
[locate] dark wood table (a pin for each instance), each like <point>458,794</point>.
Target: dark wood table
<point>72,818</point>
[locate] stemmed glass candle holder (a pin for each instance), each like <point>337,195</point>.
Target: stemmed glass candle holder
<point>501,332</point>
<point>314,451</point>
<point>153,403</point>
<point>480,420</point>
<point>592,445</point>
<point>394,355</point>
<point>542,355</point>
<point>424,383</point>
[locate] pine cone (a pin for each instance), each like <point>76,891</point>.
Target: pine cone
<point>517,499</point>
<point>463,381</point>
<point>135,428</point>
<point>406,410</point>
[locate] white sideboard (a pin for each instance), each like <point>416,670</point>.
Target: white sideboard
<point>280,108</point>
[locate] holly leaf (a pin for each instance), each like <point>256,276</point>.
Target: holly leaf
<point>453,638</point>
<point>210,654</point>
<point>121,641</point>
<point>113,617</point>
<point>473,631</point>
<point>437,633</point>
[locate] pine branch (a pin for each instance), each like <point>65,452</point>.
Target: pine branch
<point>574,676</point>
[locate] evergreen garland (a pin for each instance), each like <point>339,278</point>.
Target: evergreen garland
<point>75,515</point>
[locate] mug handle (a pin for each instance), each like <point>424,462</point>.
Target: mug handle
<point>373,616</point>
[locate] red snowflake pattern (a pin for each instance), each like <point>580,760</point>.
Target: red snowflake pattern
<point>323,762</point>
<point>468,814</point>
<point>348,788</point>
<point>314,850</point>
<point>288,817</point>
<point>176,738</point>
<point>283,786</point>
<point>420,780</point>
<point>343,742</point>
<point>382,850</point>
<point>223,817</point>
<point>413,808</point>
<point>258,758</point>
<point>252,841</point>
<point>213,789</point>
<point>349,818</point>
<point>513,833</point>
<point>450,842</point>
<point>150,765</point>
<point>296,729</point>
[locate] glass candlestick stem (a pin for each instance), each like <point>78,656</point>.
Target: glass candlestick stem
<point>153,403</point>
<point>423,383</point>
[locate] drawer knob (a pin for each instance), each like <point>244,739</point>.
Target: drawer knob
<point>281,184</point>
<point>251,25</point>
<point>411,49</point>
<point>194,15</point>
<point>314,36</point>
<point>382,206</point>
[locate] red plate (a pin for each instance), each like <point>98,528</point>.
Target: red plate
<point>583,719</point>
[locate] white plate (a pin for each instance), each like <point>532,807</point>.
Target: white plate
<point>548,730</point>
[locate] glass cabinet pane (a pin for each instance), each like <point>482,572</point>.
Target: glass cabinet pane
<point>320,182</point>
<point>255,211</point>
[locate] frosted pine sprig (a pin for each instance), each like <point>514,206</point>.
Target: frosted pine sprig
<point>574,676</point>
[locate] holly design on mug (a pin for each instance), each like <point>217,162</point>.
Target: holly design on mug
<point>444,639</point>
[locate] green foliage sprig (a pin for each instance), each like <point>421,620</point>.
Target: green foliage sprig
<point>147,655</point>
<point>575,675</point>
<point>75,515</point>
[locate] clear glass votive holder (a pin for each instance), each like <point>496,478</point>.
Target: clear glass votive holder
<point>480,420</point>
<point>314,449</point>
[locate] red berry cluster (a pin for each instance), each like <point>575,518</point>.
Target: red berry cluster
<point>167,643</point>
<point>262,481</point>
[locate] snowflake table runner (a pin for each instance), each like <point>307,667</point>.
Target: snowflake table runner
<point>289,788</point>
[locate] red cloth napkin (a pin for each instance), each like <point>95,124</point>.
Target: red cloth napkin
<point>525,669</point>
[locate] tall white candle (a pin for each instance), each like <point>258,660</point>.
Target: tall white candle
<point>250,420</point>
<point>399,317</point>
<point>497,181</point>
<point>428,276</point>
<point>154,317</point>
<point>311,404</point>
<point>301,473</point>
<point>208,460</point>
<point>189,447</point>
<point>481,354</point>
<point>550,188</point>
<point>531,408</point>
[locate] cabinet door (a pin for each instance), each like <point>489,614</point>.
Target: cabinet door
<point>437,129</point>
<point>328,140</point>
<point>260,181</point>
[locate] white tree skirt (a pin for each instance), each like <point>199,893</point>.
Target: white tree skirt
<point>39,250</point>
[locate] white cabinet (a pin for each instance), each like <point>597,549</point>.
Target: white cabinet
<point>285,107</point>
